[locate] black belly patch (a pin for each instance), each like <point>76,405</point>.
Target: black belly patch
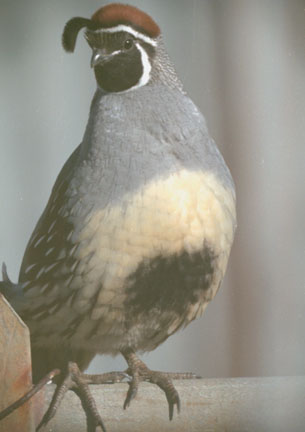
<point>170,283</point>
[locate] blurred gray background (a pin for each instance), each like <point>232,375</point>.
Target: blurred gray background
<point>243,63</point>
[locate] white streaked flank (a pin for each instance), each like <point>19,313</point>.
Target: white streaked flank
<point>69,235</point>
<point>51,226</point>
<point>73,267</point>
<point>50,267</point>
<point>68,281</point>
<point>39,241</point>
<point>73,249</point>
<point>50,237</point>
<point>44,288</point>
<point>29,268</point>
<point>41,271</point>
<point>53,309</point>
<point>49,251</point>
<point>38,315</point>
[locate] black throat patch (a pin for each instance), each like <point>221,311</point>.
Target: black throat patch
<point>122,62</point>
<point>121,73</point>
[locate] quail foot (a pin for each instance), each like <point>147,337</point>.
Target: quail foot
<point>136,235</point>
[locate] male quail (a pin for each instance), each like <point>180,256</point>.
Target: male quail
<point>135,238</point>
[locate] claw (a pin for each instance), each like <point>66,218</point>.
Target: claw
<point>178,405</point>
<point>126,377</point>
<point>78,382</point>
<point>172,399</point>
<point>171,411</point>
<point>132,391</point>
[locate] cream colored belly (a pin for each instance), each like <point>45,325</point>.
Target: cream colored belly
<point>165,217</point>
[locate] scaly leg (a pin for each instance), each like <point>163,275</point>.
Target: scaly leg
<point>79,382</point>
<point>140,372</point>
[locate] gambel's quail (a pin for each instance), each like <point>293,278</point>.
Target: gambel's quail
<point>135,239</point>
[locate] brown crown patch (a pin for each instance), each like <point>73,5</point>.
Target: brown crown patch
<point>116,13</point>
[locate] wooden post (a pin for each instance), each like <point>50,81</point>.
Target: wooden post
<point>15,369</point>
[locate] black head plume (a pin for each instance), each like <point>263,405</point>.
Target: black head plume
<point>72,29</point>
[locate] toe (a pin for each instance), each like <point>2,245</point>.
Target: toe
<point>132,391</point>
<point>173,399</point>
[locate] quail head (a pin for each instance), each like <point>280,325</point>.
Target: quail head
<point>135,238</point>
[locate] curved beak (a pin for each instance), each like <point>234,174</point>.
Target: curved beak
<point>99,56</point>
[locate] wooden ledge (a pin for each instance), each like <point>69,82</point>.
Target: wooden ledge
<point>275,404</point>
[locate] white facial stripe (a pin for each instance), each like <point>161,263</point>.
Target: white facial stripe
<point>146,67</point>
<point>146,70</point>
<point>130,30</point>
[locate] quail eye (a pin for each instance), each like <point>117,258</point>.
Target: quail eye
<point>128,44</point>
